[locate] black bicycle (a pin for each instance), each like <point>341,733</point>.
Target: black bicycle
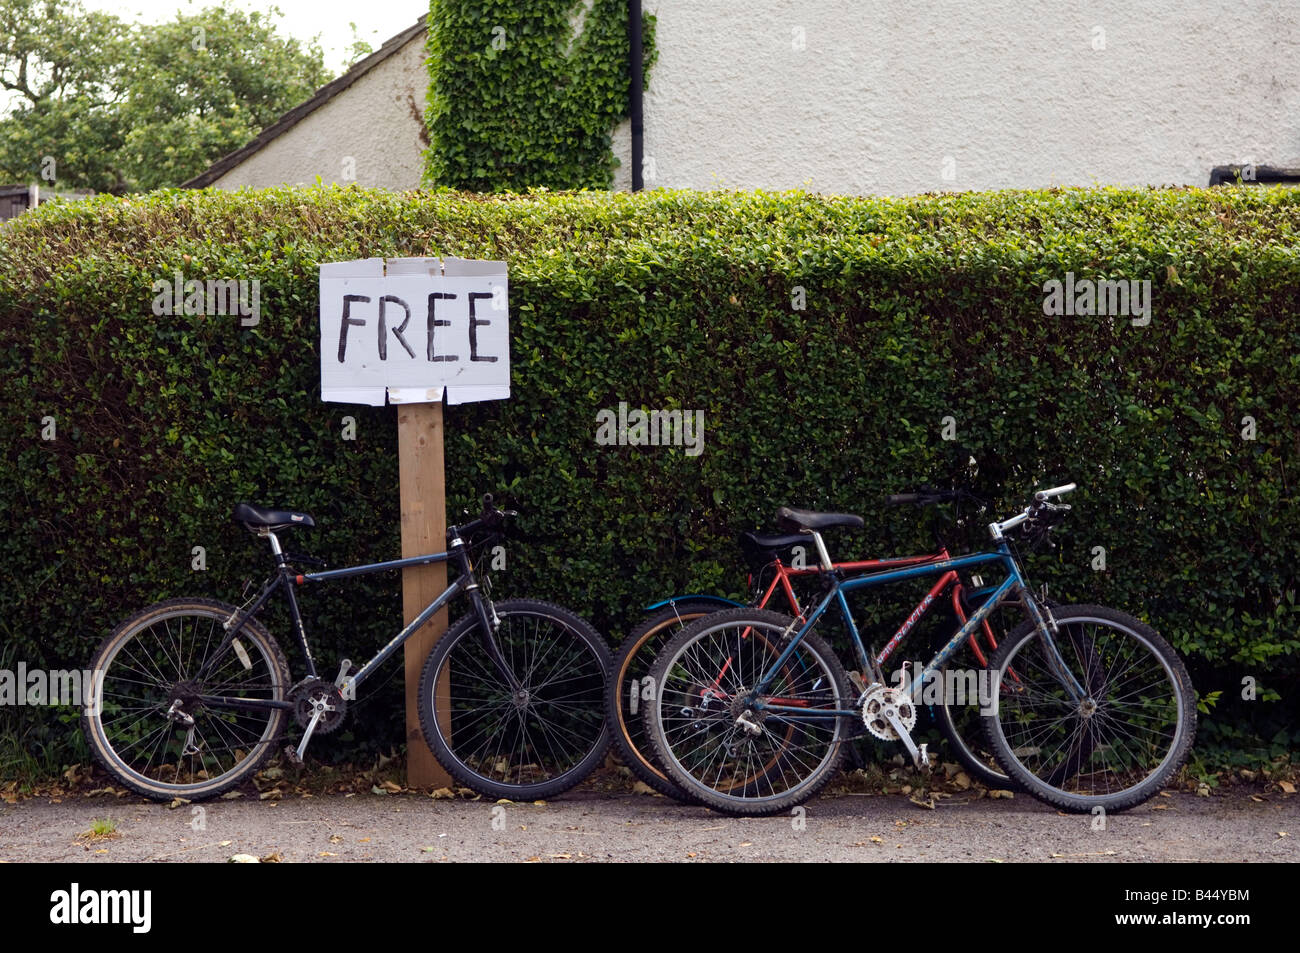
<point>191,696</point>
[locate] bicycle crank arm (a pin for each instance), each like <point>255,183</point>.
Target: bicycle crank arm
<point>920,757</point>
<point>295,754</point>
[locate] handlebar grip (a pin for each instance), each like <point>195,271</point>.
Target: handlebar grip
<point>899,498</point>
<point>1054,491</point>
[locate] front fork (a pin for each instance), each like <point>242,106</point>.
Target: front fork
<point>488,620</point>
<point>1048,628</point>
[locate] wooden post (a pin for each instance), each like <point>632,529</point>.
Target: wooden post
<point>424,530</point>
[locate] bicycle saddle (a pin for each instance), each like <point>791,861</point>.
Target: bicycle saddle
<point>790,518</point>
<point>759,549</point>
<point>256,517</point>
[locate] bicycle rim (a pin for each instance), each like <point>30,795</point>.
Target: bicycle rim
<point>701,691</point>
<point>1122,741</point>
<point>630,691</point>
<point>540,739</point>
<point>147,667</point>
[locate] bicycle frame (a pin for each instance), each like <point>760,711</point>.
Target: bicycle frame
<point>285,580</point>
<point>1012,587</point>
<point>783,574</point>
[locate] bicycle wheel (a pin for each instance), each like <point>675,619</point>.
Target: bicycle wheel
<point>532,743</point>
<point>1114,748</point>
<point>150,664</point>
<point>770,761</point>
<point>963,683</point>
<point>627,686</point>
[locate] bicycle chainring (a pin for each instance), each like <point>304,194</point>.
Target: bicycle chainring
<point>305,698</point>
<point>881,699</point>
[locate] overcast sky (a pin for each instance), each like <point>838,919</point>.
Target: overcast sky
<point>303,19</point>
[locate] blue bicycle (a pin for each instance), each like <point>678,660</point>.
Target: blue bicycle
<point>1083,706</point>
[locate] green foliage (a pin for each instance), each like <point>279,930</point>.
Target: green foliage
<point>917,309</point>
<point>527,95</point>
<point>121,106</point>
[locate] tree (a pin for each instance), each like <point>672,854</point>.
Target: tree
<point>117,107</point>
<point>61,69</point>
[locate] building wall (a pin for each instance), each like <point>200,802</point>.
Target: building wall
<point>886,96</point>
<point>377,123</point>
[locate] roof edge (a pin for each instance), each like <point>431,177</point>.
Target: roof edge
<point>304,109</point>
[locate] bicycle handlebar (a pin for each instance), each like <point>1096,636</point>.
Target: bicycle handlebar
<point>1043,495</point>
<point>925,496</point>
<point>491,518</point>
<point>1032,511</point>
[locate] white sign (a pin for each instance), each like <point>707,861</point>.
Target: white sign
<point>408,328</point>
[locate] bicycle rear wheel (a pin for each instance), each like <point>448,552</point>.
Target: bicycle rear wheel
<point>628,690</point>
<point>735,757</point>
<point>535,742</point>
<point>1112,749</point>
<point>148,666</point>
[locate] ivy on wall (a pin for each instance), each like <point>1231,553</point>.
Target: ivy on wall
<point>527,95</point>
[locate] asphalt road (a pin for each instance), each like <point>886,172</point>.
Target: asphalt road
<point>588,826</point>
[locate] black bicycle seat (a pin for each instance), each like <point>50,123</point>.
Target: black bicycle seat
<point>790,518</point>
<point>258,517</point>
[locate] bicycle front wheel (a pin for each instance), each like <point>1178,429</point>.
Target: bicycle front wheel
<point>736,756</point>
<point>535,740</point>
<point>1115,746</point>
<point>149,666</point>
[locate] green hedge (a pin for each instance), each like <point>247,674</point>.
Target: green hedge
<point>915,310</point>
<point>517,98</point>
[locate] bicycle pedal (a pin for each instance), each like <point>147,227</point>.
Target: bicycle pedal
<point>923,759</point>
<point>291,753</point>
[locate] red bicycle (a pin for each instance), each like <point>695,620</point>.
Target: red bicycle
<point>957,717</point>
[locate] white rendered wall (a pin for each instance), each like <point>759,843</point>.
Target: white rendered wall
<point>377,122</point>
<point>885,96</point>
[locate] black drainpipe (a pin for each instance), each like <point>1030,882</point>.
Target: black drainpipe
<point>635,66</point>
